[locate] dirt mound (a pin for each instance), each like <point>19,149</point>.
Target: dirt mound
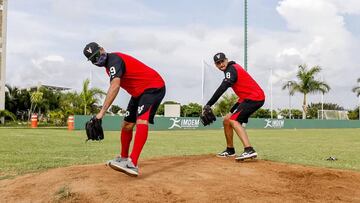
<point>186,179</point>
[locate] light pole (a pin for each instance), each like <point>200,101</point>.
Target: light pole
<point>3,23</point>
<point>289,86</point>
<point>245,34</point>
<point>359,97</point>
<point>271,93</point>
<point>322,100</point>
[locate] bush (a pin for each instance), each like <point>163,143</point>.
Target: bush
<point>354,114</point>
<point>7,114</point>
<point>57,118</point>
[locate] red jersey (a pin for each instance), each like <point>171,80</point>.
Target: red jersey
<point>135,76</point>
<point>245,86</point>
<point>241,82</point>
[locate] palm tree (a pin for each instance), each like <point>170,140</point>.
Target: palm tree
<point>36,99</point>
<point>89,96</point>
<point>11,98</point>
<point>307,84</point>
<point>356,90</point>
<point>70,103</point>
<point>6,113</point>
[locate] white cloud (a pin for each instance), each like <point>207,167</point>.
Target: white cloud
<point>50,58</point>
<point>93,11</point>
<point>289,52</point>
<point>52,46</point>
<point>348,6</point>
<point>317,36</point>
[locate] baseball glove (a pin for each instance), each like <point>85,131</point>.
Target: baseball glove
<point>94,130</point>
<point>207,117</point>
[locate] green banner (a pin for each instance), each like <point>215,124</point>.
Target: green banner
<point>113,123</point>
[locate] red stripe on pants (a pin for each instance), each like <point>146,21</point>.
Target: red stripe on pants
<point>234,116</point>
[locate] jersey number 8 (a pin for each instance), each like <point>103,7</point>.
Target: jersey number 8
<point>227,75</point>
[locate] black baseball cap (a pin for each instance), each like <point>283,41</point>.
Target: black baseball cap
<point>91,50</point>
<point>219,56</point>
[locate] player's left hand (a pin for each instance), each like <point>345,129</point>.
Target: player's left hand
<point>207,117</point>
<point>94,130</point>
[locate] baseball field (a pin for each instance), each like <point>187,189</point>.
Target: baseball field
<point>56,165</point>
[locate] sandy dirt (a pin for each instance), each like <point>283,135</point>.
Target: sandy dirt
<point>186,179</point>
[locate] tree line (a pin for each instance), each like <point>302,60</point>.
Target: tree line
<point>53,107</point>
<point>308,84</point>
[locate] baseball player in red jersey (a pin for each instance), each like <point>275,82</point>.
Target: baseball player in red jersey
<point>147,89</point>
<point>251,98</point>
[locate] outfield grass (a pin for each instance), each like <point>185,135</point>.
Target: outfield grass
<point>29,150</point>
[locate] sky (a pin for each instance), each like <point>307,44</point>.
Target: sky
<point>45,41</point>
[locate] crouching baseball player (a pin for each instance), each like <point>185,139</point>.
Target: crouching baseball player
<point>251,98</point>
<point>147,89</point>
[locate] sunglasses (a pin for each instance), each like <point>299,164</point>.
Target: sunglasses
<point>95,57</point>
<point>219,62</point>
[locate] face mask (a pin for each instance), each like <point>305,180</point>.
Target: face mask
<point>100,60</point>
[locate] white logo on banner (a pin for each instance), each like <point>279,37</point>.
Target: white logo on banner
<point>274,123</point>
<point>184,123</point>
<point>175,123</point>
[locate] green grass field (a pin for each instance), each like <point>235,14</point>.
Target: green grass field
<point>28,150</point>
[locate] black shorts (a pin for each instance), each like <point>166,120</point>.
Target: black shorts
<point>241,111</point>
<point>150,99</point>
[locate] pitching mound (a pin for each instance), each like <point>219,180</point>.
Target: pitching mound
<point>186,179</point>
